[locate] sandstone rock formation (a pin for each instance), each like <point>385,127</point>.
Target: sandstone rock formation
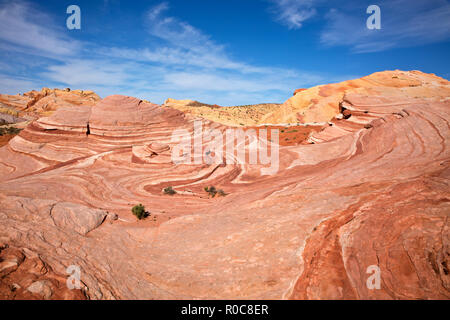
<point>249,115</point>
<point>320,104</point>
<point>19,110</point>
<point>35,104</point>
<point>24,275</point>
<point>76,218</point>
<point>369,188</point>
<point>299,90</point>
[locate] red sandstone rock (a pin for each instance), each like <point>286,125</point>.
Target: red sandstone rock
<point>76,217</point>
<point>371,190</point>
<point>32,278</point>
<point>156,148</point>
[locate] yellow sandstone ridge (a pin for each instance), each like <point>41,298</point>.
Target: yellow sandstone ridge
<point>321,103</point>
<point>249,115</point>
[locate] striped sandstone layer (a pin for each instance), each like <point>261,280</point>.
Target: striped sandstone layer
<point>370,188</point>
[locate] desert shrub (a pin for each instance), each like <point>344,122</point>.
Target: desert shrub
<point>13,130</point>
<point>9,130</point>
<point>213,192</point>
<point>169,191</point>
<point>139,212</point>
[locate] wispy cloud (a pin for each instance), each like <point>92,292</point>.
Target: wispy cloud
<point>16,84</point>
<point>181,62</point>
<point>78,73</point>
<point>26,28</point>
<point>184,44</point>
<point>178,32</point>
<point>199,81</point>
<point>292,13</point>
<point>405,23</point>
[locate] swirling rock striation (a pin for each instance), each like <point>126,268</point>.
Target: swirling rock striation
<point>370,188</point>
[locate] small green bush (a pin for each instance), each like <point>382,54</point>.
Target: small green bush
<point>13,130</point>
<point>139,212</point>
<point>9,130</point>
<point>169,191</point>
<point>213,191</point>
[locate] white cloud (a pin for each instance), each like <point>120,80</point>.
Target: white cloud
<point>292,13</point>
<point>157,83</point>
<point>88,73</point>
<point>14,85</point>
<point>404,23</point>
<point>174,55</point>
<point>183,63</point>
<point>155,12</point>
<point>177,32</point>
<point>231,82</point>
<point>184,44</point>
<point>27,28</point>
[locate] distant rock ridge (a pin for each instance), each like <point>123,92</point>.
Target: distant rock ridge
<point>34,104</point>
<point>321,103</point>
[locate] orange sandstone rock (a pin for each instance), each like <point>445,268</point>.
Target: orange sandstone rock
<point>368,189</point>
<point>298,90</point>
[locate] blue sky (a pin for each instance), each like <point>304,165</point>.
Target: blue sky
<point>215,51</point>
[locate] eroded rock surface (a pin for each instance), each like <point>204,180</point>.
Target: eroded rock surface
<point>76,217</point>
<point>24,275</point>
<point>371,188</point>
<point>321,103</point>
<point>34,104</point>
